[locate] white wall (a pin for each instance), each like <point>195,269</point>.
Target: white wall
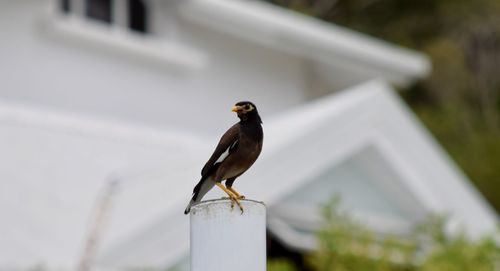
<point>38,67</point>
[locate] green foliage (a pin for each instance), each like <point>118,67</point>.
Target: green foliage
<point>280,265</point>
<point>345,244</point>
<point>461,254</point>
<point>456,252</point>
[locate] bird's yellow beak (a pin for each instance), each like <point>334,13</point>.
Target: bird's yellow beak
<point>236,108</point>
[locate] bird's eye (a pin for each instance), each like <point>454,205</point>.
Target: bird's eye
<point>247,107</point>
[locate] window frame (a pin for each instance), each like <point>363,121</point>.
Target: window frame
<point>119,16</point>
<point>75,27</point>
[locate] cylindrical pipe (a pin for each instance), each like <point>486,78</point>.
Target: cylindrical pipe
<point>224,239</point>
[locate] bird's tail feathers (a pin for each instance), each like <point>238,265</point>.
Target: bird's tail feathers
<point>202,188</point>
<point>188,207</point>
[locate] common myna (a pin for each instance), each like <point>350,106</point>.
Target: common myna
<point>236,152</point>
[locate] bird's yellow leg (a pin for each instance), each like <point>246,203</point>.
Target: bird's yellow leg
<point>232,196</point>
<point>228,192</point>
<point>235,193</point>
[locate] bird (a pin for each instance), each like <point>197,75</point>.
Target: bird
<point>237,150</point>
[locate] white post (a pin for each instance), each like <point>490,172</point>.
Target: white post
<point>224,239</point>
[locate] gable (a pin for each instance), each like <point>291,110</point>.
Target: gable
<point>367,185</point>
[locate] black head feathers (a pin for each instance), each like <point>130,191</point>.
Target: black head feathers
<point>247,112</point>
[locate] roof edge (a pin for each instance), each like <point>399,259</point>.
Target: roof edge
<point>308,37</point>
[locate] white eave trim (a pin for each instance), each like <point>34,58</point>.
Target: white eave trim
<point>289,237</point>
<point>308,37</point>
<point>140,47</point>
<point>65,122</point>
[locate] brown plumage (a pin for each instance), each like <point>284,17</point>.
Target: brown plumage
<point>236,152</point>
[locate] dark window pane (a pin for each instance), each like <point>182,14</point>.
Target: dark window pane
<point>138,16</point>
<point>99,10</point>
<point>64,6</point>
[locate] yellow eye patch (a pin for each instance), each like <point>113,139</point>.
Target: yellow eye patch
<point>248,108</point>
<point>243,108</point>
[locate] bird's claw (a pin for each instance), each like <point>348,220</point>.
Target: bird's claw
<point>237,200</point>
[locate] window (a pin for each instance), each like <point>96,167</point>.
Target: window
<point>99,10</point>
<point>137,15</point>
<point>64,5</point>
<point>130,14</point>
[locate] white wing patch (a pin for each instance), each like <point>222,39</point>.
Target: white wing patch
<point>225,154</point>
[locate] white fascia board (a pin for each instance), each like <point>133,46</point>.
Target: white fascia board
<point>309,218</point>
<point>67,122</point>
<point>290,238</point>
<point>284,220</point>
<point>308,37</point>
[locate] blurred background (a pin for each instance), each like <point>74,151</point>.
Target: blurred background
<point>459,101</point>
<point>381,120</point>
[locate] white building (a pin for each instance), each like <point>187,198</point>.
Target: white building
<point>94,92</point>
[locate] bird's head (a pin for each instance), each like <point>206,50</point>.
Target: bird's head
<point>246,111</point>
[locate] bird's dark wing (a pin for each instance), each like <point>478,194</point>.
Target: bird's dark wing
<point>227,143</point>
